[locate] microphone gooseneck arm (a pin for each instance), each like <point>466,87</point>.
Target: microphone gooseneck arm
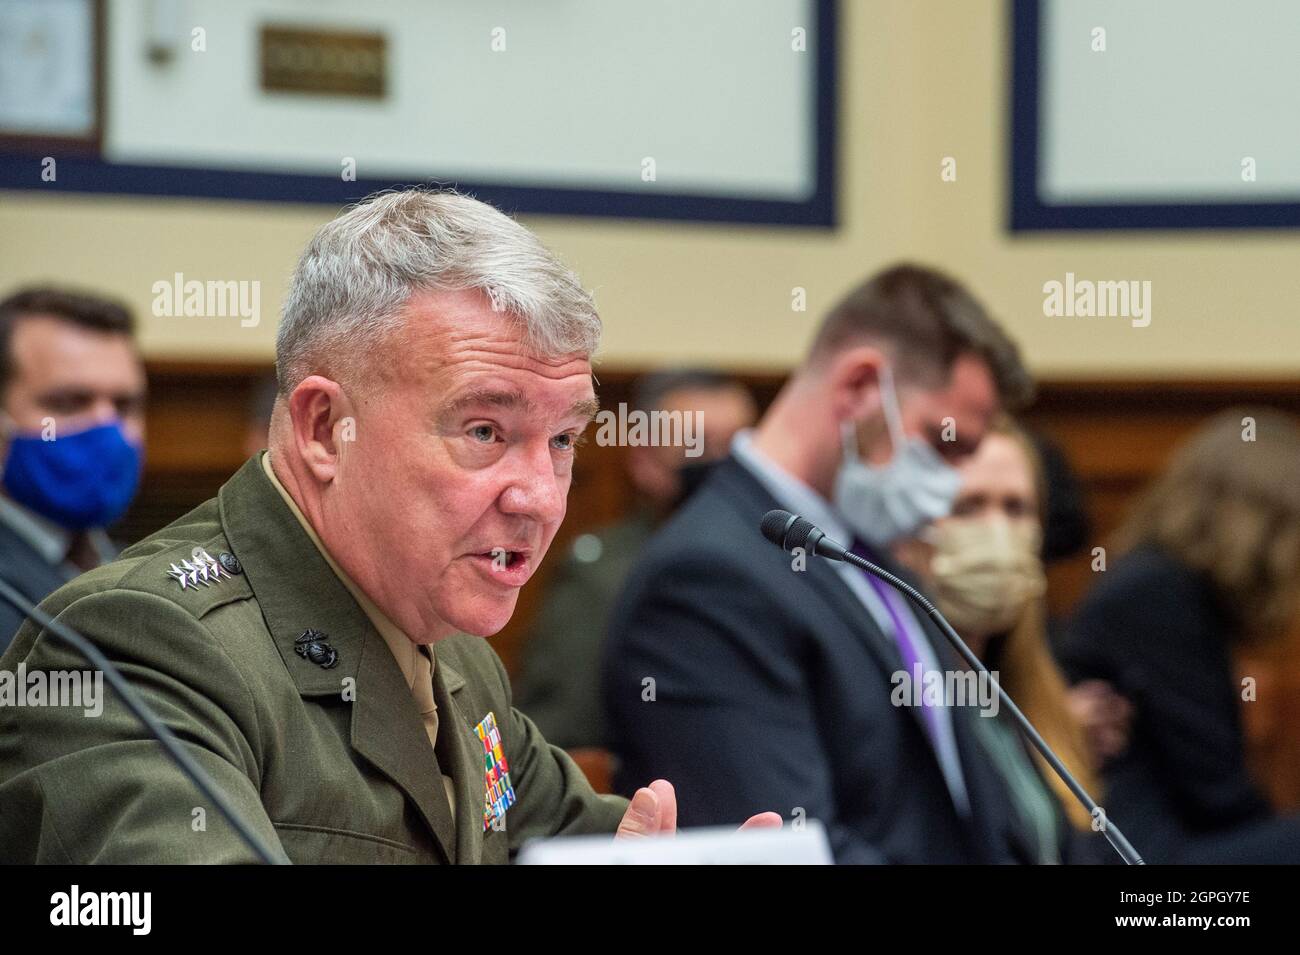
<point>789,531</point>
<point>156,727</point>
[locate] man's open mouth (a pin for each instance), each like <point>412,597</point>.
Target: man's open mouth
<point>508,566</point>
<point>506,559</point>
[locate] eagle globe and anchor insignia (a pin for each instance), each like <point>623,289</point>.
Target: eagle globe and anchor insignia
<point>312,646</point>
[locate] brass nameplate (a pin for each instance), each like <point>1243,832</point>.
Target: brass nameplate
<point>302,60</point>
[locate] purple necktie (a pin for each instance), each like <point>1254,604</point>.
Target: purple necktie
<point>902,633</point>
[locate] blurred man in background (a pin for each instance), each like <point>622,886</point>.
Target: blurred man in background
<point>559,685</point>
<point>257,427</point>
<point>754,680</point>
<point>72,391</point>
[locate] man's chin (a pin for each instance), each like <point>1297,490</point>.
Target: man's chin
<point>482,615</point>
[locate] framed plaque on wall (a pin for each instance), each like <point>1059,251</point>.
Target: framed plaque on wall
<point>51,70</point>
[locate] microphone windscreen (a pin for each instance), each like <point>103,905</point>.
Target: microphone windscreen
<point>797,535</point>
<point>774,525</point>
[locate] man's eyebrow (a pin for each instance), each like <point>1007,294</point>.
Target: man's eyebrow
<point>513,400</point>
<point>586,409</point>
<point>71,393</point>
<point>510,399</point>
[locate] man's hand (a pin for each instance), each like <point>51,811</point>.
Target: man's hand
<point>653,812</point>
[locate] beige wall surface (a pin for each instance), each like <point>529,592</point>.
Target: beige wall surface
<point>920,80</point>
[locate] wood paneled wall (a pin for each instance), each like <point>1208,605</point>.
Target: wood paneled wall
<point>1117,435</point>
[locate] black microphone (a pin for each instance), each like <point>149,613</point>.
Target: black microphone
<point>157,728</point>
<point>789,531</point>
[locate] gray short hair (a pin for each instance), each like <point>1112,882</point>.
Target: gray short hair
<point>359,270</point>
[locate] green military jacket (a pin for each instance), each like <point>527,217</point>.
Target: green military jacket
<point>328,764</point>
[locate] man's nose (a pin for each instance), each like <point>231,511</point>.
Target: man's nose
<point>93,414</point>
<point>103,411</point>
<point>535,490</point>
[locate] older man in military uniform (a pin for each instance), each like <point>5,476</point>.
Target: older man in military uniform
<point>314,634</point>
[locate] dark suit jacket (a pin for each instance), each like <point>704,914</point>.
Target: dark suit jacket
<point>28,572</point>
<point>771,692</point>
<point>1182,791</point>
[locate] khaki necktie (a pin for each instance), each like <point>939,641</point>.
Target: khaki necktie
<point>422,691</point>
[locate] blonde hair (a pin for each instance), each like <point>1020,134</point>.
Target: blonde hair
<point>1228,505</point>
<point>1031,677</point>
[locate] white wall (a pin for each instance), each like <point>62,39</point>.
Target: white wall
<point>1182,93</point>
<point>583,91</point>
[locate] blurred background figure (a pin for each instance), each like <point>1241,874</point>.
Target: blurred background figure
<point>259,415</point>
<point>1210,564</point>
<point>776,670</point>
<point>983,567</point>
<point>559,680</point>
<point>1066,526</point>
<point>72,392</point>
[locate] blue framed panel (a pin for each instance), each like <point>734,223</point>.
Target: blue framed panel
<point>94,175</point>
<point>1029,211</point>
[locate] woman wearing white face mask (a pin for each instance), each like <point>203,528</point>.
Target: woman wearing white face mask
<point>983,569</point>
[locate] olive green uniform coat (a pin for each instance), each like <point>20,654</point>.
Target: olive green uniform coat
<point>328,765</point>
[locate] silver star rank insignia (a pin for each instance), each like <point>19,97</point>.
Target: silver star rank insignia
<point>201,569</point>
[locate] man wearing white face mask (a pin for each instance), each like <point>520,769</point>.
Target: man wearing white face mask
<point>772,675</point>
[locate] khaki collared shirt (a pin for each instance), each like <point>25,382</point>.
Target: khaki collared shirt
<point>416,661</point>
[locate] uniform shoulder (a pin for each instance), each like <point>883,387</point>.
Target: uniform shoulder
<point>190,563</point>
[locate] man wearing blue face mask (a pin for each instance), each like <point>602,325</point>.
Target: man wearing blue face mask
<point>71,432</point>
<point>775,679</point>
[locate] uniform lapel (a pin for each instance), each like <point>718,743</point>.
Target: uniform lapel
<point>464,752</point>
<point>387,731</point>
<point>297,591</point>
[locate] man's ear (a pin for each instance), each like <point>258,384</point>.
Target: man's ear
<point>316,407</point>
<point>855,383</point>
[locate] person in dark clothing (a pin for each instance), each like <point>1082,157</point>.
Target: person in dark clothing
<point>1066,527</point>
<point>756,677</point>
<point>559,679</point>
<point>72,391</point>
<point>1210,560</point>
